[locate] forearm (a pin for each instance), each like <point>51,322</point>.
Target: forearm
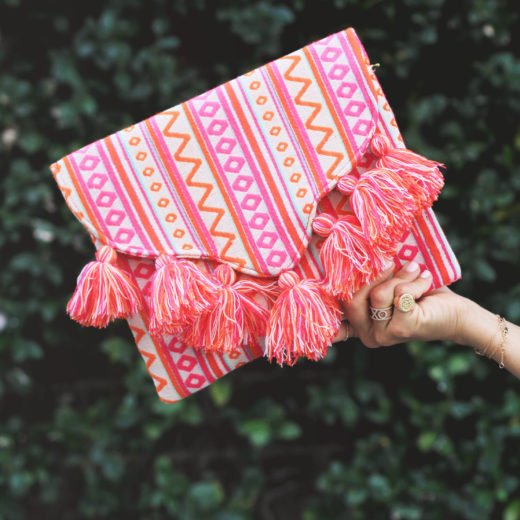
<point>478,328</point>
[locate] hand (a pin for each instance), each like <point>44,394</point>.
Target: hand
<point>434,317</point>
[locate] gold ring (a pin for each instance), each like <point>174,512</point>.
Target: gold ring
<point>381,314</point>
<point>406,302</point>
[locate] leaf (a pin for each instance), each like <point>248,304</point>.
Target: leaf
<point>257,430</point>
<point>289,430</point>
<point>220,391</point>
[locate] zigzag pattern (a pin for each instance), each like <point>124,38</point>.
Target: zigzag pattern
<point>185,138</point>
<point>316,109</point>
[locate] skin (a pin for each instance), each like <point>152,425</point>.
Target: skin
<point>439,314</point>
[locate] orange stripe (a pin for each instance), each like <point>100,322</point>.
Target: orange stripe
<point>178,191</point>
<point>294,125</point>
<point>331,108</point>
<point>85,203</point>
<point>229,203</point>
<point>213,364</point>
<point>432,245</point>
<point>280,205</point>
<point>143,220</point>
<point>306,267</point>
<point>366,71</point>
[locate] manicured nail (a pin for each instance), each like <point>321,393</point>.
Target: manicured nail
<point>388,265</point>
<point>412,266</point>
<point>426,274</point>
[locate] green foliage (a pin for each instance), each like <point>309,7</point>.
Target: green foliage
<point>413,432</point>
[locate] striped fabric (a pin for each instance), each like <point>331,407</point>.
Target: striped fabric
<point>236,175</point>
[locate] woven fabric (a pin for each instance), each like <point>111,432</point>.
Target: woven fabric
<point>236,175</point>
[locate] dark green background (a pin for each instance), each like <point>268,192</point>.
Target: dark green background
<point>417,431</point>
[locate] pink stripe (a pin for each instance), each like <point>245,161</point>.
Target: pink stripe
<point>226,367</point>
<point>304,132</point>
<point>182,188</point>
<point>201,358</point>
<point>314,262</point>
<point>360,78</point>
<point>292,137</point>
<point>121,198</point>
<point>273,211</point>
<point>334,99</point>
<point>77,173</point>
<point>230,192</point>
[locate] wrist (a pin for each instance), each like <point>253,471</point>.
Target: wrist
<point>476,326</point>
<point>463,312</point>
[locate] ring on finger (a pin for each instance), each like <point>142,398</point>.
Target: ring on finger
<point>381,313</point>
<point>406,302</point>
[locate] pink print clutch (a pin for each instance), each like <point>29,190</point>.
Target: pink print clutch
<point>230,227</point>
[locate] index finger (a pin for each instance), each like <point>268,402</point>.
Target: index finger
<point>357,307</point>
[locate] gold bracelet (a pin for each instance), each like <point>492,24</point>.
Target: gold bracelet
<point>503,333</point>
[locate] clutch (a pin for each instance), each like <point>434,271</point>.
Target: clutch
<point>231,226</point>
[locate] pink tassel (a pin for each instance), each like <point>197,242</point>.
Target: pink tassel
<point>234,319</point>
<point>382,202</point>
<point>179,291</point>
<point>349,260</point>
<point>426,180</point>
<point>303,321</point>
<point>104,292</point>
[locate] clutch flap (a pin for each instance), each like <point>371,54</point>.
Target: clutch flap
<point>234,174</point>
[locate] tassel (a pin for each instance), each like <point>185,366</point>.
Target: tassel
<point>303,321</point>
<point>381,201</point>
<point>179,291</point>
<point>234,319</point>
<point>426,180</point>
<point>348,259</point>
<point>104,292</point>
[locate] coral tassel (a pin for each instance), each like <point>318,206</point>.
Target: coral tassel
<point>179,291</point>
<point>349,260</point>
<point>382,202</point>
<point>234,319</point>
<point>303,321</point>
<point>104,292</point>
<point>426,180</point>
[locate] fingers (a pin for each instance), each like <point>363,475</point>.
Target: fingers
<point>356,309</point>
<point>385,274</point>
<point>383,295</point>
<point>405,325</point>
<point>416,288</point>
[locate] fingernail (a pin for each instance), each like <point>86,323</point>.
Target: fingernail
<point>388,265</point>
<point>426,274</point>
<point>412,266</point>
